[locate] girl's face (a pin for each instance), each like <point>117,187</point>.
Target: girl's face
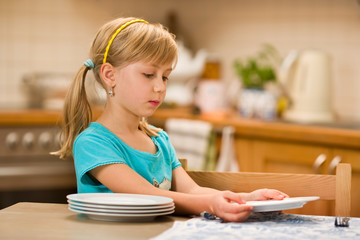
<point>141,87</point>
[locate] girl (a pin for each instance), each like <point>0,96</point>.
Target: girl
<point>121,152</point>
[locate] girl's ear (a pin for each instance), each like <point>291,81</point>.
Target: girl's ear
<point>107,72</point>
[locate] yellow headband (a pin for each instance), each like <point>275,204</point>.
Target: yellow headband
<point>116,33</point>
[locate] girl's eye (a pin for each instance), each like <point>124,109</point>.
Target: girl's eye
<point>165,78</point>
<point>148,75</point>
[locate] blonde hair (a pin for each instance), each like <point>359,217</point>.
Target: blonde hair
<point>137,42</point>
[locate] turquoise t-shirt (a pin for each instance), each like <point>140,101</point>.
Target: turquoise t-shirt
<point>97,146</point>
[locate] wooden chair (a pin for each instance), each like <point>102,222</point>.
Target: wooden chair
<point>327,187</point>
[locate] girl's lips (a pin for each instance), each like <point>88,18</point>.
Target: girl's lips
<point>154,103</point>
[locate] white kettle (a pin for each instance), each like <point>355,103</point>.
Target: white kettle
<point>306,77</point>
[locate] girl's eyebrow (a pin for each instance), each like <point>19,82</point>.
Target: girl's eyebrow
<point>156,66</point>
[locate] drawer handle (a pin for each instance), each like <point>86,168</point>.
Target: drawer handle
<point>318,162</point>
<point>336,160</point>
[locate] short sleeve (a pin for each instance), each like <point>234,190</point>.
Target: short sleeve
<point>91,151</point>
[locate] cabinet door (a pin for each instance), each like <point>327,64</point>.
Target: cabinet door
<point>352,157</point>
<point>244,151</point>
<point>287,157</point>
<point>292,158</point>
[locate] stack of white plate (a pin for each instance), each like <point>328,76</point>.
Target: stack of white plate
<point>120,207</point>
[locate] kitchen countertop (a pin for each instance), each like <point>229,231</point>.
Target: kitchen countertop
<point>331,134</point>
<point>28,117</point>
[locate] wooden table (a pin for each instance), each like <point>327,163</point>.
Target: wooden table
<point>54,221</point>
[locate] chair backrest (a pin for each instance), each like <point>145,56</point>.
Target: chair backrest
<point>327,187</point>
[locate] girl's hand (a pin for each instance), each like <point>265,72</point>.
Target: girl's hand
<point>266,194</point>
<point>222,205</point>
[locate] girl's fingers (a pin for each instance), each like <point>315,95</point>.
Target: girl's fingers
<point>233,204</point>
<point>235,208</point>
<point>266,194</point>
<point>274,194</point>
<point>233,197</point>
<point>239,213</point>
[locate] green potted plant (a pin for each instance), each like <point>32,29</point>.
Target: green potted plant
<point>255,74</point>
<point>257,71</point>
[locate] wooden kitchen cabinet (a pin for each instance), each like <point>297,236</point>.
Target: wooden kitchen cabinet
<point>270,156</point>
<point>285,157</point>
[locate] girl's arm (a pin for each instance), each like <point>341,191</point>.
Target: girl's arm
<point>182,182</point>
<point>189,198</point>
<point>122,179</point>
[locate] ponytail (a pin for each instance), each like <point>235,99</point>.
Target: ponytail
<point>149,130</point>
<point>77,114</point>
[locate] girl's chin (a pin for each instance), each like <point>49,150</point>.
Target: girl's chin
<point>148,113</point>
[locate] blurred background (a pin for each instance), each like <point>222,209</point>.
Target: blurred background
<point>39,36</point>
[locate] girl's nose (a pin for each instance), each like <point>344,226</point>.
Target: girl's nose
<point>160,85</point>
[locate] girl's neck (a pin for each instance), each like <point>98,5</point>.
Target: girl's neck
<point>119,122</point>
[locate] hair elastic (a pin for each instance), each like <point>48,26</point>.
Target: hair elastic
<point>89,63</point>
<point>116,33</point>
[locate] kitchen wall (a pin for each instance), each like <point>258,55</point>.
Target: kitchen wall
<point>54,36</point>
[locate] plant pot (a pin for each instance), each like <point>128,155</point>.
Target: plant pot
<point>257,103</point>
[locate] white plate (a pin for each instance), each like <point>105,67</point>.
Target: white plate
<point>120,199</point>
<point>121,217</point>
<point>278,205</point>
<point>131,211</point>
<point>119,207</point>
